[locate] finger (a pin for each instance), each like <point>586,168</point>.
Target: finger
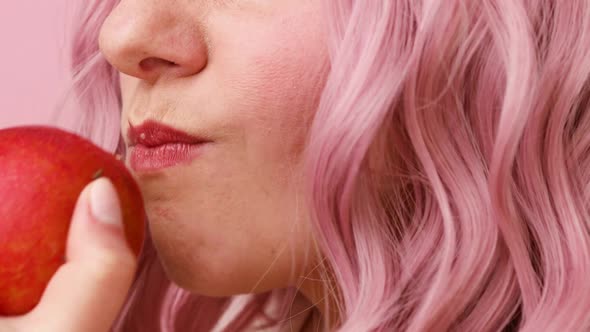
<point>88,291</point>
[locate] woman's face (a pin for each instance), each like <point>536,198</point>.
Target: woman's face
<point>246,74</point>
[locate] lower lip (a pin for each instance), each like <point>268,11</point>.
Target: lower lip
<point>144,159</point>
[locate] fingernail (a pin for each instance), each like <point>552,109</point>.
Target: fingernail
<point>104,202</point>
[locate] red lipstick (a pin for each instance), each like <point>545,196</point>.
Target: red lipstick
<point>155,146</point>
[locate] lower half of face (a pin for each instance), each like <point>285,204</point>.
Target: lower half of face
<point>234,220</point>
<point>230,229</point>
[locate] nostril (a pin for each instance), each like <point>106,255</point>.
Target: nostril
<point>150,64</point>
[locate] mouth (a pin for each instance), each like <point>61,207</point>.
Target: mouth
<point>155,146</point>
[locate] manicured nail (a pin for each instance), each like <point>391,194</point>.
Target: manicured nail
<point>104,202</point>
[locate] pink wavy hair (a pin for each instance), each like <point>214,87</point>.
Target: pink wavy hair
<point>449,168</point>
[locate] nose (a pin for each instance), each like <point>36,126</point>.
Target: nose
<point>150,41</point>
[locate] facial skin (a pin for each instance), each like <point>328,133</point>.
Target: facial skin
<point>247,75</point>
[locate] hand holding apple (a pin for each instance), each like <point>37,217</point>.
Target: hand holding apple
<point>43,170</point>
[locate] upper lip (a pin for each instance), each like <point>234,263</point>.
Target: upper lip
<point>152,133</point>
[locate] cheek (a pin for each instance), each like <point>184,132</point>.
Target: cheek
<point>270,70</point>
<point>275,87</point>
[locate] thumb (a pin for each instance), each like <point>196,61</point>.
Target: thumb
<point>88,291</point>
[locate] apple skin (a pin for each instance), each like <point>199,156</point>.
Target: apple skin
<point>43,170</point>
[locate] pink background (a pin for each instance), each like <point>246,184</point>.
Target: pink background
<point>33,59</point>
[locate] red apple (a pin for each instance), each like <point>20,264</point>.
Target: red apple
<point>42,172</point>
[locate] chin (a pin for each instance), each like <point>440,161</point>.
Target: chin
<point>202,282</point>
<point>197,273</point>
